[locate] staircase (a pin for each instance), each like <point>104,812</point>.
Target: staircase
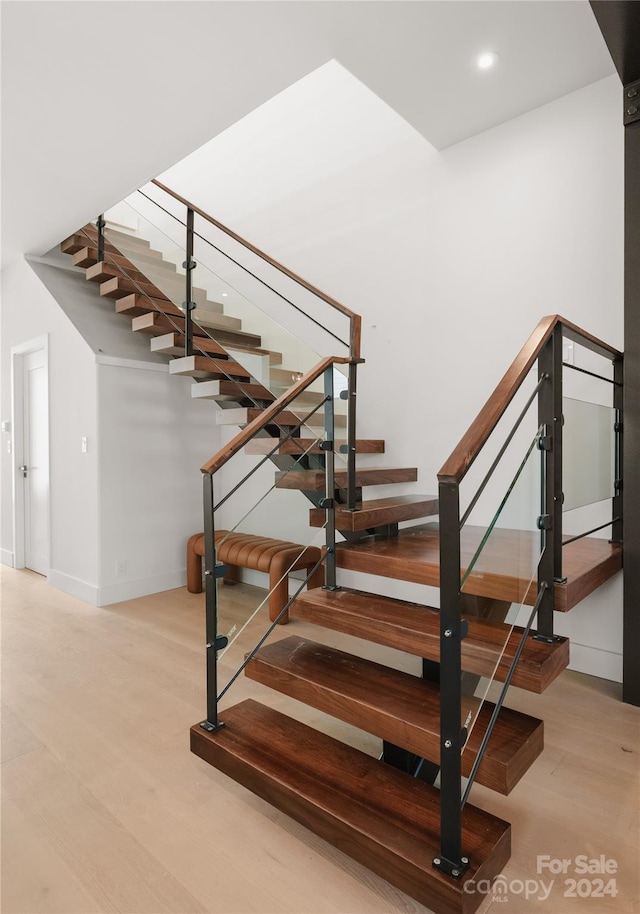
<point>387,812</point>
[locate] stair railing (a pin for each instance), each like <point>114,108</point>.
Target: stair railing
<point>163,199</point>
<point>543,354</point>
<point>215,642</point>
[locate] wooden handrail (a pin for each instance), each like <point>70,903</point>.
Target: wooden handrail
<point>478,432</point>
<point>267,415</point>
<point>354,318</point>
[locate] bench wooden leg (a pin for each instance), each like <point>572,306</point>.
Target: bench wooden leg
<point>194,565</point>
<point>279,592</point>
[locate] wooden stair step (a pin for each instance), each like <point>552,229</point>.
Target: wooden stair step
<point>199,366</point>
<point>80,240</point>
<point>119,286</point>
<point>397,707</point>
<point>126,238</point>
<point>133,305</point>
<point>314,480</point>
<point>229,391</point>
<point>223,325</point>
<point>414,555</point>
<point>416,629</point>
<point>155,324</point>
<point>88,257</point>
<point>173,344</point>
<point>379,511</point>
<point>284,419</point>
<point>104,270</point>
<point>260,446</point>
<point>382,817</point>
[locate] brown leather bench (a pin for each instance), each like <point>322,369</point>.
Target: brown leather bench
<point>260,553</point>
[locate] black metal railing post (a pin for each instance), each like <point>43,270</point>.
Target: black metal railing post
<point>213,642</point>
<point>451,859</point>
<point>100,225</point>
<point>189,265</point>
<point>618,400</point>
<point>329,502</point>
<point>550,519</point>
<point>351,435</point>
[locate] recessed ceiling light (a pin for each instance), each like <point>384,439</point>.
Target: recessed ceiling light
<point>486,60</point>
<point>225,294</point>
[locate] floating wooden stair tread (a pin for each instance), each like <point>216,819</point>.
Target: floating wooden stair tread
<point>173,344</point>
<point>261,446</point>
<point>133,305</point>
<point>228,390</point>
<point>397,707</point>
<point>285,419</point>
<point>416,630</point>
<point>414,555</point>
<point>199,366</point>
<point>379,511</point>
<point>119,286</point>
<point>380,816</point>
<point>314,480</point>
<point>104,270</point>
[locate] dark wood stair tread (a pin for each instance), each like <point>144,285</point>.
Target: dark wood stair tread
<point>200,366</point>
<point>378,511</point>
<point>314,480</point>
<point>396,706</point>
<point>414,555</point>
<point>284,419</point>
<point>416,630</point>
<point>132,305</point>
<point>229,390</point>
<point>382,817</point>
<point>261,446</point>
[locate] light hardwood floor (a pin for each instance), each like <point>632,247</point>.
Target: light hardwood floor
<point>104,808</point>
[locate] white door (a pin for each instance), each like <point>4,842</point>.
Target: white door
<point>34,470</point>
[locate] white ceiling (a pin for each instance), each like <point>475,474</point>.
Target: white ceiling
<point>98,97</point>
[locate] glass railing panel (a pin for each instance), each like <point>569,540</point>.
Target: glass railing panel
<point>270,549</point>
<point>501,547</point>
<point>304,314</point>
<point>588,453</point>
<point>261,350</point>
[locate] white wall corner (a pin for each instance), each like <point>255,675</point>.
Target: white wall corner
<point>141,587</point>
<point>73,586</point>
<point>6,557</point>
<point>595,661</point>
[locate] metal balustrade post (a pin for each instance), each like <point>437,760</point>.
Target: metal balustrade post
<point>329,501</point>
<point>351,436</point>
<point>550,519</point>
<point>451,859</point>
<point>189,265</point>
<point>617,505</point>
<point>100,225</point>
<point>214,643</point>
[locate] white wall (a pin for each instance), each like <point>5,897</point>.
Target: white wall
<point>28,311</point>
<point>136,495</point>
<point>153,441</point>
<point>450,257</point>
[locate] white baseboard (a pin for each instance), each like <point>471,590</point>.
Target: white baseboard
<point>141,587</point>
<point>6,557</point>
<point>595,661</point>
<point>73,586</point>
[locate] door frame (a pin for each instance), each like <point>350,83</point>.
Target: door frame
<point>18,353</point>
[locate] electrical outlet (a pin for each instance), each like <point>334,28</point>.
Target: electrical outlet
<point>83,445</point>
<point>121,567</point>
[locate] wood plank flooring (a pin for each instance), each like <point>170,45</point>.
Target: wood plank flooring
<point>105,809</point>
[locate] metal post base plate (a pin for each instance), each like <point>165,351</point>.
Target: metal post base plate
<point>209,727</point>
<point>455,870</point>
